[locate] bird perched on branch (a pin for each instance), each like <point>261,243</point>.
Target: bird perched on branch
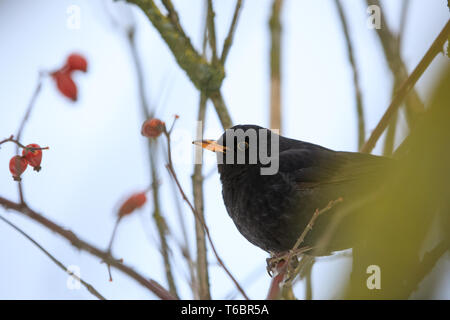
<point>272,186</point>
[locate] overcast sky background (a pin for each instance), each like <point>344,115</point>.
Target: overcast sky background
<point>98,156</point>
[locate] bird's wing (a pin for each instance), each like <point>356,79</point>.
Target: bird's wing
<point>313,167</point>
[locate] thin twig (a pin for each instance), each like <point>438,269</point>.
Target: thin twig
<point>204,76</point>
<point>76,242</point>
<point>31,105</point>
<point>389,140</point>
<point>20,145</point>
<point>282,262</point>
<point>221,109</point>
<point>406,87</point>
<point>358,95</point>
<point>160,222</point>
<point>173,15</point>
<point>212,31</point>
<point>390,45</point>
<point>428,262</point>
<point>171,170</point>
<point>229,39</point>
<point>88,286</point>
<point>401,29</point>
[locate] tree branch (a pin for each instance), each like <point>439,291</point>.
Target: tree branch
<point>88,286</point>
<point>275,65</point>
<point>197,186</point>
<point>406,87</point>
<point>212,31</point>
<point>390,45</point>
<point>351,59</point>
<point>229,39</point>
<point>202,74</point>
<point>172,172</point>
<point>160,222</point>
<point>76,242</point>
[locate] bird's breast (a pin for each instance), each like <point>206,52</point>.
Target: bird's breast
<point>260,208</point>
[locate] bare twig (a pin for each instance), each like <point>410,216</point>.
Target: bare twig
<point>229,39</point>
<point>401,29</point>
<point>20,145</point>
<point>30,106</point>
<point>171,170</point>
<point>160,222</point>
<point>205,76</point>
<point>351,58</point>
<point>275,65</point>
<point>173,15</point>
<point>76,242</point>
<point>197,185</point>
<point>406,87</point>
<point>308,279</point>
<point>202,74</point>
<point>282,262</point>
<point>310,225</point>
<point>428,262</point>
<point>390,45</point>
<point>88,286</point>
<point>221,109</point>
<point>389,140</point>
<point>212,31</point>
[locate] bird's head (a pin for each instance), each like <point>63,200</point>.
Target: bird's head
<point>243,148</point>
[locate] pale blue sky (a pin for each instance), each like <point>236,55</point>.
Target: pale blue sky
<point>98,156</point>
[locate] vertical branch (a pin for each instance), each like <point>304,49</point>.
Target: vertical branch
<point>389,141</point>
<point>197,184</point>
<point>152,148</point>
<point>275,65</point>
<point>358,97</point>
<point>212,32</point>
<point>389,43</point>
<point>308,279</point>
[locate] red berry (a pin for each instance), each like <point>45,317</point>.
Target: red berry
<point>17,165</point>
<point>65,84</point>
<point>152,128</point>
<point>134,202</point>
<point>76,62</point>
<point>34,157</point>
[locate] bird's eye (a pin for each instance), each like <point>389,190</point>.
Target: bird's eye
<point>242,145</point>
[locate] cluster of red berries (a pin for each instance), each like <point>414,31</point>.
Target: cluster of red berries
<point>31,155</point>
<point>134,202</point>
<point>63,76</point>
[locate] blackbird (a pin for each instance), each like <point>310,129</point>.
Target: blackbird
<point>272,210</point>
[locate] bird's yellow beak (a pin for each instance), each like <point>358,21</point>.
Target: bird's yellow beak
<point>210,145</point>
